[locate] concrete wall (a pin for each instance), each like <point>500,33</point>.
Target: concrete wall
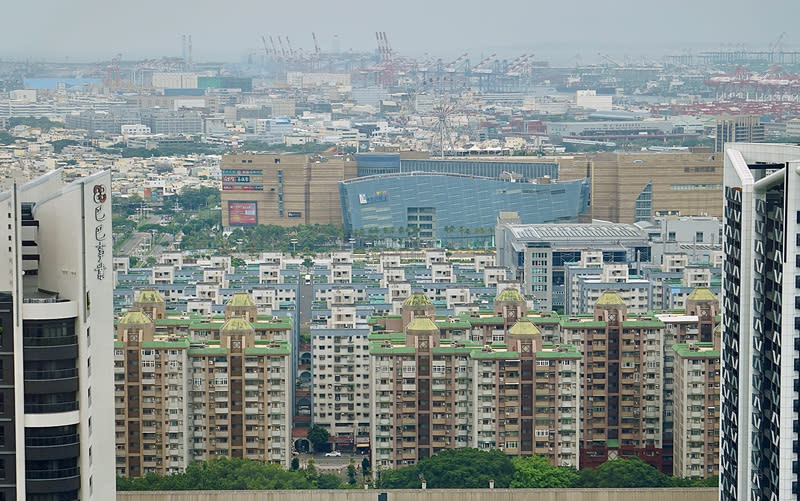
<point>703,494</point>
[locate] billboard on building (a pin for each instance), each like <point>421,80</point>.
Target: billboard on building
<point>242,179</point>
<point>242,213</point>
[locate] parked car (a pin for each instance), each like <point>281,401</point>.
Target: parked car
<point>333,454</point>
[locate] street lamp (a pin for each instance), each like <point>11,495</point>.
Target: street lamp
<point>294,246</point>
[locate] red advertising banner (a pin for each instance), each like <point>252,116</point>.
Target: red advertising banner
<point>241,213</point>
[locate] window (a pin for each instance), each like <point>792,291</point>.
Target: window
<point>698,236</point>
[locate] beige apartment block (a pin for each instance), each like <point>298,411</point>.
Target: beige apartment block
<point>622,382</point>
<point>341,383</point>
<point>434,388</point>
<point>205,389</point>
<point>697,409</point>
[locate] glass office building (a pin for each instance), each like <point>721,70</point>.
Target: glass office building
<point>439,205</point>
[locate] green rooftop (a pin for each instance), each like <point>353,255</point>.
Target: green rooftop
<point>272,349</point>
<point>394,337</point>
<point>240,299</point>
<point>610,298</point>
<point>236,324</point>
<point>417,299</point>
<point>173,321</point>
<point>379,349</point>
<point>202,324</point>
<point>702,294</point>
<point>456,323</point>
<point>177,344</point>
<point>422,326</point>
<point>135,318</point>
<point>510,295</point>
<point>149,296</point>
<point>524,327</point>
<point>486,320</point>
<point>702,350</point>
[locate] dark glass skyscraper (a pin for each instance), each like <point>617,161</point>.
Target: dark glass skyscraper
<point>759,449</point>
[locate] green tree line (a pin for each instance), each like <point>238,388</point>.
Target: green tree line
<point>450,469</point>
<point>232,474</point>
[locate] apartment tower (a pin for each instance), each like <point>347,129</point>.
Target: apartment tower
<point>56,401</point>
<point>760,328</point>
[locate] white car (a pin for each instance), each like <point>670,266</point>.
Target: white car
<point>333,454</point>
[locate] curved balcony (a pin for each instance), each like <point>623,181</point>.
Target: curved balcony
<point>31,341</point>
<point>50,348</point>
<point>53,481</point>
<point>42,381</point>
<point>52,339</point>
<point>55,447</point>
<point>50,408</point>
<point>46,308</point>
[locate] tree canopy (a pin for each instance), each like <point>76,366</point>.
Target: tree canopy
<point>449,469</point>
<point>197,198</point>
<point>317,435</point>
<point>221,474</point>
<point>621,473</point>
<point>536,472</point>
<point>454,468</point>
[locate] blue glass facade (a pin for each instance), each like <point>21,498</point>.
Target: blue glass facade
<point>458,201</point>
<point>371,164</point>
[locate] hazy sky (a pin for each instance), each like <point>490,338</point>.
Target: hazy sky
<point>98,29</point>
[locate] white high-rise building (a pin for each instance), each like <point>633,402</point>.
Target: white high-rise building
<point>759,447</point>
<point>56,337</point>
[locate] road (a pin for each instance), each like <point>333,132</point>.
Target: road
<point>136,238</point>
<point>306,292</point>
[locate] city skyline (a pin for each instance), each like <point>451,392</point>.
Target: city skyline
<point>155,29</point>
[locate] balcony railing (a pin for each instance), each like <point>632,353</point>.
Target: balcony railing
<point>51,474</point>
<point>45,374</point>
<point>51,441</point>
<point>34,408</point>
<point>50,341</point>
